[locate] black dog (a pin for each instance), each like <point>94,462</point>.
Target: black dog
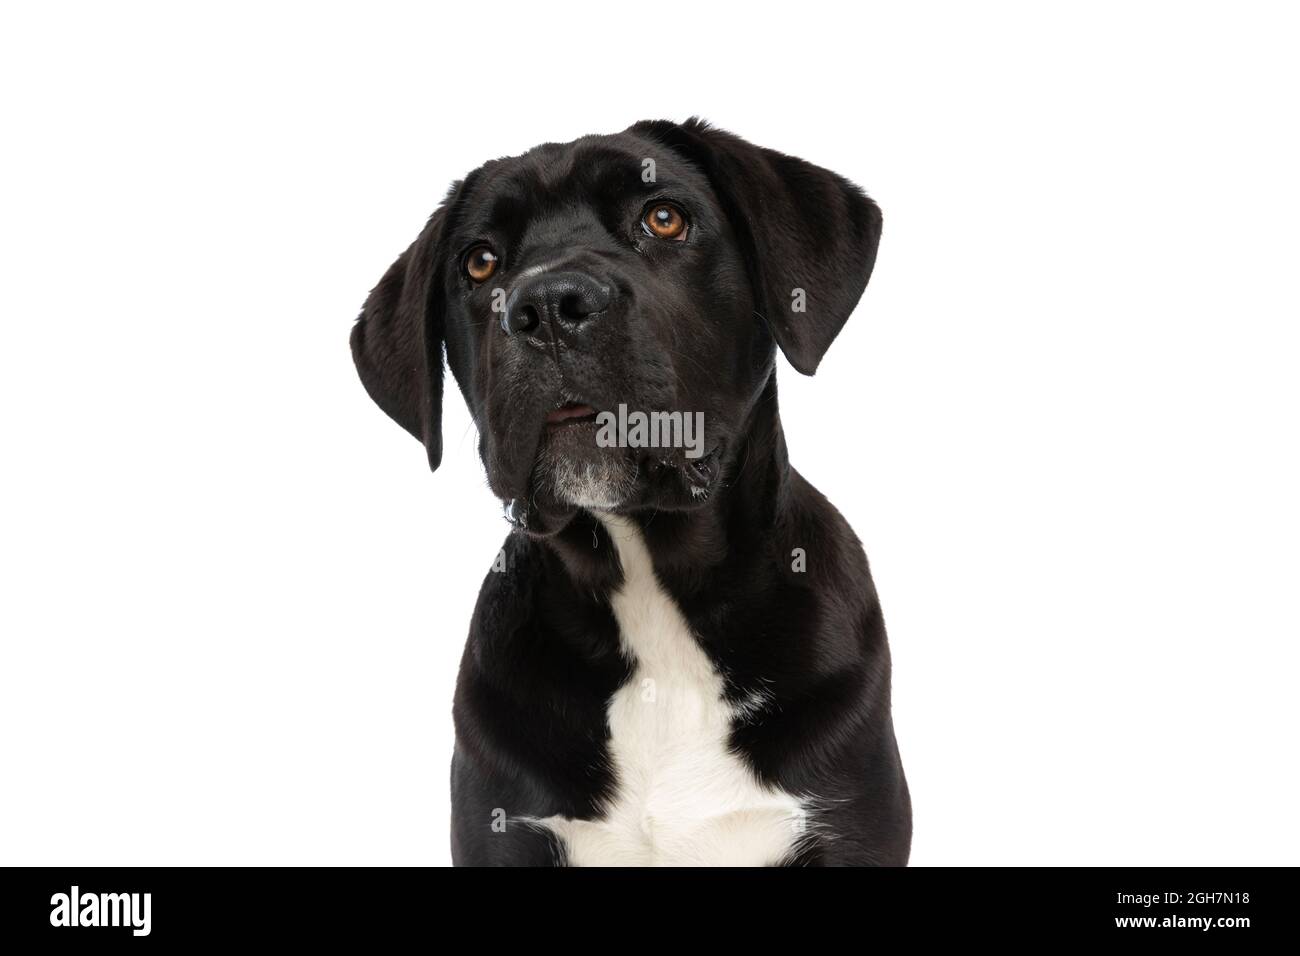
<point>679,657</point>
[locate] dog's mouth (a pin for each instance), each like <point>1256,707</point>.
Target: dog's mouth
<point>570,413</point>
<point>585,461</point>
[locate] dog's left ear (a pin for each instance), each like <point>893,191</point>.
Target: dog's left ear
<point>809,235</point>
<point>397,341</point>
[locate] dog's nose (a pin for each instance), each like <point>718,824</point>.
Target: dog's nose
<point>565,298</point>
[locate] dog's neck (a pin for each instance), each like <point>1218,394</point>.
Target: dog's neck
<point>689,548</point>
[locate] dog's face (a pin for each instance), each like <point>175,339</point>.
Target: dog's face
<point>649,272</point>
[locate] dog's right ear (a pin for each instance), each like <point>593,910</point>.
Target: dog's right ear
<point>397,340</point>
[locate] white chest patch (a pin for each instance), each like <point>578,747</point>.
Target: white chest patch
<point>682,797</point>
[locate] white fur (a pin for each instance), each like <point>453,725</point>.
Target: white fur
<point>682,798</point>
<point>594,485</point>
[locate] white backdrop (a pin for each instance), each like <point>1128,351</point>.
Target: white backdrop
<point>1063,419</point>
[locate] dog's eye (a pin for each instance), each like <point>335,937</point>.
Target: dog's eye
<point>480,263</point>
<point>665,221</point>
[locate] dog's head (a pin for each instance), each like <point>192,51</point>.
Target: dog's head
<point>599,300</point>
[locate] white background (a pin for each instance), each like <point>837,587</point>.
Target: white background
<point>1063,419</point>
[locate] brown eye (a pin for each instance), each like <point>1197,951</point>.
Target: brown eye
<point>665,221</point>
<point>480,263</point>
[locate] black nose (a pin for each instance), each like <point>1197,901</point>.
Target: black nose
<point>564,298</point>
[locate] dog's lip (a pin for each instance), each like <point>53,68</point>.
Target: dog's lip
<point>571,411</point>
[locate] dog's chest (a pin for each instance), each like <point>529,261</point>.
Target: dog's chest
<point>682,797</point>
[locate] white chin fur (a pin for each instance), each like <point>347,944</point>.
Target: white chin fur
<point>600,485</point>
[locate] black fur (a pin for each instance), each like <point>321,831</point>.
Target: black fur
<point>692,325</point>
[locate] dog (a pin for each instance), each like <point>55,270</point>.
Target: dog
<point>679,657</point>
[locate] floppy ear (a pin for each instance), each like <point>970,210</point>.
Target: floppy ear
<point>397,341</point>
<point>809,235</point>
